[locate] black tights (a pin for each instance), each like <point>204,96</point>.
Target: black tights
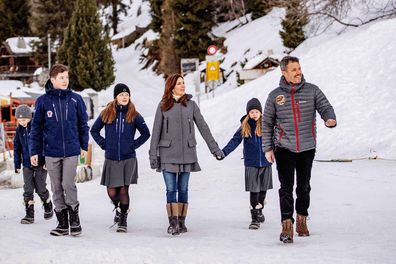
<point>257,198</point>
<point>119,196</point>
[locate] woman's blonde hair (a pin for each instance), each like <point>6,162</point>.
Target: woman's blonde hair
<point>245,127</point>
<point>109,113</point>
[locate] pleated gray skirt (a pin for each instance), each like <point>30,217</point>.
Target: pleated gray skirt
<point>258,179</point>
<point>119,173</point>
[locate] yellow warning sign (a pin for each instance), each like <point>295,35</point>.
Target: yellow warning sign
<point>212,71</point>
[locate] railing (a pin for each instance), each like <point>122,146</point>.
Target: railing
<point>18,69</point>
<point>9,133</point>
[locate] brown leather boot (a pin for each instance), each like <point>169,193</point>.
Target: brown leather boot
<point>173,213</point>
<point>182,217</point>
<point>302,228</point>
<point>286,235</point>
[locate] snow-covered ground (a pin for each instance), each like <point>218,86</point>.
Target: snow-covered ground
<point>352,221</point>
<point>352,211</point>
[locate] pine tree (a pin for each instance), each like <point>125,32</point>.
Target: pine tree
<point>259,8</point>
<point>156,15</point>
<point>14,15</point>
<point>50,17</point>
<point>117,7</point>
<point>86,50</point>
<point>293,23</point>
<point>169,62</point>
<point>193,22</point>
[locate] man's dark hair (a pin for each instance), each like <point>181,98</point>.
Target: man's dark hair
<point>285,61</point>
<point>56,69</point>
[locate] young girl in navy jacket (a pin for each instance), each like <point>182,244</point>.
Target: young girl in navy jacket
<point>121,120</point>
<point>258,171</point>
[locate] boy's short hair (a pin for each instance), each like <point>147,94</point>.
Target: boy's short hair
<point>56,69</point>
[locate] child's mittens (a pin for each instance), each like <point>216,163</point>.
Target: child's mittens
<point>219,154</point>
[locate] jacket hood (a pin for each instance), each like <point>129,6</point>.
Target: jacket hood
<point>286,86</point>
<point>50,89</point>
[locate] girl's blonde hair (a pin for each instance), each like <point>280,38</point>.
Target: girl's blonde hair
<point>109,113</point>
<point>245,127</point>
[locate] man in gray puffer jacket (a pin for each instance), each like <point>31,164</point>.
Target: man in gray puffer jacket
<point>289,136</point>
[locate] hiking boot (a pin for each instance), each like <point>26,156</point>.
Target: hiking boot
<point>301,227</point>
<point>287,231</point>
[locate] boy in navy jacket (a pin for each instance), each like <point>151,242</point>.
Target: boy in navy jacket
<point>60,127</point>
<point>34,177</point>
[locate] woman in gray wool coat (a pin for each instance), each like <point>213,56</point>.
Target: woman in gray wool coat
<point>173,147</point>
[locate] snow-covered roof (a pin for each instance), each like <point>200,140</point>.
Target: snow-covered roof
<point>13,87</point>
<point>252,63</point>
<point>21,45</point>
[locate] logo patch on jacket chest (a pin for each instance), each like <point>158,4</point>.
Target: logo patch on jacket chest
<point>280,99</point>
<point>49,114</point>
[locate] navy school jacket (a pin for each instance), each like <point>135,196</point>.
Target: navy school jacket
<point>21,148</point>
<point>119,142</point>
<point>252,147</point>
<point>59,124</point>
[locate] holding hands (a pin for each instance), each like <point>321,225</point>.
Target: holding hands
<point>219,154</point>
<point>270,156</point>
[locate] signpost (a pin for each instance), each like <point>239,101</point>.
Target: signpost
<point>212,70</point>
<point>192,66</point>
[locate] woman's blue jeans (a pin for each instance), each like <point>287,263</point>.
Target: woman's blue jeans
<point>176,186</point>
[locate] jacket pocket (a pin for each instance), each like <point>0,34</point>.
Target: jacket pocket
<point>192,142</point>
<point>164,143</point>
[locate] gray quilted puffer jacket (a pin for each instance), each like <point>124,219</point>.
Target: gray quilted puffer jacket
<point>290,116</point>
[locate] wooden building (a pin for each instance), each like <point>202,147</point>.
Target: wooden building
<point>16,59</point>
<point>257,67</point>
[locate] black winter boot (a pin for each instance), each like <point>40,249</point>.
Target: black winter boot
<point>63,223</point>
<point>29,217</point>
<point>255,224</point>
<point>74,220</point>
<point>48,209</point>
<point>260,216</point>
<point>122,221</point>
<point>117,214</point>
<point>173,212</point>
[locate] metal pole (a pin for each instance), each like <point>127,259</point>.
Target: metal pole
<point>49,51</point>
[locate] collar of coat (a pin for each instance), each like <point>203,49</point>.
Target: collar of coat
<point>189,96</point>
<point>286,86</point>
<point>51,90</point>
